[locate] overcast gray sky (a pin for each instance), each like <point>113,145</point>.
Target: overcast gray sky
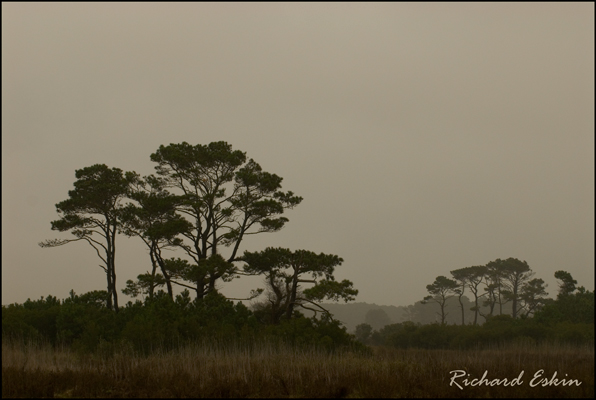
<point>423,137</point>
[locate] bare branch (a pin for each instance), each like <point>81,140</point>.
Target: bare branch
<point>56,242</point>
<point>98,254</point>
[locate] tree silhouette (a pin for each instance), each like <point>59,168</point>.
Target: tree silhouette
<point>225,198</point>
<point>532,296</point>
<point>470,277</point>
<point>155,222</point>
<point>94,209</point>
<point>285,270</point>
<point>567,285</point>
<point>440,290</point>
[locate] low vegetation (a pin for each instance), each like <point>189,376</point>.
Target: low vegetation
<point>212,347</point>
<point>275,370</point>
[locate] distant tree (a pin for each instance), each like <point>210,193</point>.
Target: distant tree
<point>440,290</point>
<point>363,332</point>
<point>93,210</point>
<point>573,304</point>
<point>567,285</point>
<point>580,305</point>
<point>491,296</point>
<point>377,318</point>
<point>471,277</point>
<point>225,198</point>
<point>285,271</point>
<point>504,280</point>
<point>514,275</point>
<point>532,296</point>
<point>422,312</point>
<point>461,277</point>
<point>409,313</point>
<point>494,286</point>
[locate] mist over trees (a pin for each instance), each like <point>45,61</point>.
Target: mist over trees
<point>569,318</point>
<point>447,318</point>
<point>471,297</point>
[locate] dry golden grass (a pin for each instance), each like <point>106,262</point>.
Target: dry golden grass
<point>266,370</point>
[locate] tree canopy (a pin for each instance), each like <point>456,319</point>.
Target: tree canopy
<point>225,198</point>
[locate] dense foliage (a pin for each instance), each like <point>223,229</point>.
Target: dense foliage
<point>84,323</point>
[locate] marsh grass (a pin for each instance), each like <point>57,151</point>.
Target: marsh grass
<point>277,370</point>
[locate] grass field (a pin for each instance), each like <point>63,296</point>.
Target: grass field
<point>266,370</point>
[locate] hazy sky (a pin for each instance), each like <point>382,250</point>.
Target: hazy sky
<point>423,137</point>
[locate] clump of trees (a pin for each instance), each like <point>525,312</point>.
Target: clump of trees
<point>202,202</point>
<point>503,281</point>
<point>572,305</point>
<point>567,319</point>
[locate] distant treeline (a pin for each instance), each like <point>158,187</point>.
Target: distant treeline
<point>494,286</point>
<point>426,312</point>
<point>85,323</point>
<point>567,319</point>
<point>378,316</point>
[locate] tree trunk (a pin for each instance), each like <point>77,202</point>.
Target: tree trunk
<point>461,304</point>
<point>113,269</point>
<point>109,298</point>
<point>476,309</point>
<point>290,309</point>
<point>156,252</point>
<point>443,312</point>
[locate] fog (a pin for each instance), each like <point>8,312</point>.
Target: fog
<point>423,137</point>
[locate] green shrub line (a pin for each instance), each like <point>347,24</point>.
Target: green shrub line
<point>86,325</point>
<point>498,331</point>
